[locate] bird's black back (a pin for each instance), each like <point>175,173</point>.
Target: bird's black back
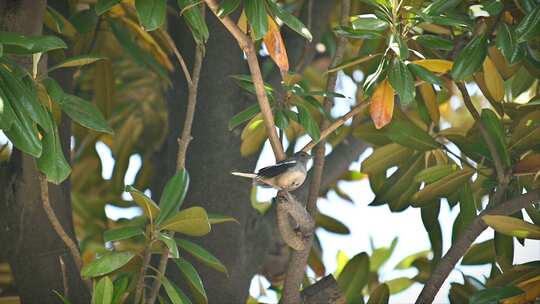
<point>276,169</point>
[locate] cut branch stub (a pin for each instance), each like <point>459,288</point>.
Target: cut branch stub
<point>296,237</point>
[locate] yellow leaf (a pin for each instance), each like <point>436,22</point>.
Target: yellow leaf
<point>493,80</point>
<point>512,226</point>
<point>435,65</point>
<point>104,87</point>
<point>531,290</point>
<point>191,221</point>
<point>275,46</point>
<point>434,28</point>
<point>253,140</point>
<point>242,22</point>
<point>430,100</point>
<point>149,207</point>
<point>382,104</point>
<point>505,69</point>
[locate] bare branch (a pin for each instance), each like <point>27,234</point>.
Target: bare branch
<point>246,44</point>
<point>465,240</point>
<point>298,261</point>
<point>324,291</point>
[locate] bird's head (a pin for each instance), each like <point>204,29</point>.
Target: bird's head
<point>302,156</point>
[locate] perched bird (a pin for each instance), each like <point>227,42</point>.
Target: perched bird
<point>287,174</point>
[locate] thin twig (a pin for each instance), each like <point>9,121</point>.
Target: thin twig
<point>465,240</point>
<point>336,124</point>
<point>499,168</point>
<point>140,280</point>
<point>183,143</point>
<point>246,44</point>
<point>298,261</point>
<point>64,276</point>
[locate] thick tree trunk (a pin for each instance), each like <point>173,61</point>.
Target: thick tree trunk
<point>34,251</point>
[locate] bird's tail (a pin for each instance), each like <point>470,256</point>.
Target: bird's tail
<point>248,175</point>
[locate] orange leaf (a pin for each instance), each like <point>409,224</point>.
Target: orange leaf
<point>435,65</point>
<point>275,46</point>
<point>530,164</point>
<point>382,104</point>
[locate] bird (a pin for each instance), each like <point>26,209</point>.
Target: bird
<point>288,174</point>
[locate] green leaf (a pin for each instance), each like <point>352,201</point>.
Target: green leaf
<point>76,61</point>
<point>14,43</point>
<point>201,254</point>
<point>385,157</point>
<point>174,293</point>
<point>194,20</point>
<point>84,113</point>
<point>507,43</point>
<point>289,19</point>
<point>102,6</point>
<point>404,132</point>
<point>331,224</point>
<point>106,264</point>
<point>349,32</point>
<point>281,120</point>
<point>361,22</point>
<point>140,56</point>
<point>244,116</point>
<point>425,74</point>
<point>443,187</point>
<point>398,45</point>
<point>171,244</point>
<point>226,7</point>
<point>61,297</point>
<point>529,27</point>
<point>430,219</point>
<point>470,59</point>
<point>122,233</point>
<point>512,226</point>
<point>246,83</point>
<point>191,221</point>
<point>380,295</point>
<point>149,207</point>
<point>434,42</point>
<point>54,90</point>
<point>120,287</point>
<point>496,131</point>
<point>401,80</point>
<point>52,161</point>
<point>494,295</point>
<point>399,284</point>
<point>310,126</point>
<point>151,13</point>
<point>7,115</point>
<point>23,97</point>
<point>467,211</point>
<point>480,253</point>
<point>408,262</point>
<point>381,255</point>
<point>257,18</point>
<point>441,6</point>
<point>85,21</point>
<point>103,291</point>
<point>354,277</point>
<point>435,173</point>
<point>193,279</point>
<point>173,195</point>
<point>215,218</point>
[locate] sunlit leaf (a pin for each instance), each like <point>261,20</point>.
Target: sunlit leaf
<point>470,59</point>
<point>512,226</point>
<point>201,254</point>
<point>289,19</point>
<point>257,18</point>
<point>193,280</point>
<point>382,104</point>
<point>151,13</point>
<point>122,233</point>
<point>149,207</point>
<point>106,264</point>
<point>435,65</point>
<point>191,221</point>
<point>173,195</point>
<point>275,46</point>
<point>354,277</point>
<point>103,291</point>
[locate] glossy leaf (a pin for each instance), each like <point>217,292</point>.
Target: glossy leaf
<point>275,46</point>
<point>429,98</point>
<point>227,7</point>
<point>368,23</point>
<point>309,124</point>
<point>244,116</point>
<point>84,113</point>
<point>435,65</point>
<point>122,233</point>
<point>442,187</point>
<point>496,131</point>
<point>424,74</point>
<point>191,221</point>
<point>434,42</point>
<point>102,6</point>
<point>529,27</point>
<point>402,81</point>
<point>7,115</point>
<point>215,218</point>
<point>257,18</point>
<point>195,20</point>
<point>403,131</point>
<point>331,224</point>
<point>171,244</point>
<point>103,291</point>
<point>106,264</point>
<point>494,81</point>
<point>289,19</point>
<point>480,253</point>
<point>175,294</point>
<point>512,226</point>
<point>52,161</point>
<point>435,173</point>
<point>349,32</point>
<point>507,43</point>
<point>354,277</point>
<point>494,295</point>
<point>173,195</point>
<point>470,59</point>
<point>149,207</point>
<point>382,104</point>
<point>22,45</point>
<point>77,61</point>
<point>193,280</point>
<point>151,13</point>
<point>201,254</point>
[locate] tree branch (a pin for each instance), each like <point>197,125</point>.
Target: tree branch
<point>464,242</point>
<point>499,167</point>
<point>324,291</point>
<point>183,143</point>
<point>297,263</point>
<point>246,44</point>
<point>295,237</point>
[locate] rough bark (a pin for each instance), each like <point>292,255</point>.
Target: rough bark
<point>33,248</point>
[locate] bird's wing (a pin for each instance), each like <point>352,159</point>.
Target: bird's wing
<point>277,169</point>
